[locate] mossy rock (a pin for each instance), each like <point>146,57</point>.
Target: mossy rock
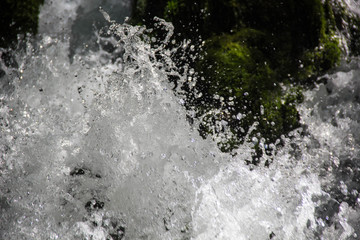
<point>236,71</point>
<point>256,57</point>
<point>18,17</point>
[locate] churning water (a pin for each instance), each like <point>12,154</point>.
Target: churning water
<point>94,144</point>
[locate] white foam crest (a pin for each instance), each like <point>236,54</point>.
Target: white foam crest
<point>119,123</point>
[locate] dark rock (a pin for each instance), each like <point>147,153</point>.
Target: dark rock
<point>18,17</point>
<point>77,171</point>
<point>251,49</point>
<point>2,73</point>
<point>327,211</point>
<point>347,174</point>
<point>9,60</point>
<point>116,229</point>
<point>94,204</point>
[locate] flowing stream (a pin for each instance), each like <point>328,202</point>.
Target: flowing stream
<point>94,144</point>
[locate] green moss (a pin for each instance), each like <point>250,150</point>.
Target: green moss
<point>280,114</point>
<point>254,49</point>
<point>355,36</point>
<point>233,61</point>
<point>234,68</point>
<point>18,17</point>
<point>329,17</point>
<point>321,59</point>
<point>138,12</point>
<point>330,54</point>
<point>171,9</point>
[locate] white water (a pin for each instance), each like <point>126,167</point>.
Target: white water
<point>98,147</point>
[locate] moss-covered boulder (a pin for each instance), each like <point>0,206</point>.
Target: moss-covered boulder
<point>235,76</point>
<point>254,58</point>
<point>18,17</point>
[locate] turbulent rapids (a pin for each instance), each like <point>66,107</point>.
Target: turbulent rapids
<point>95,144</point>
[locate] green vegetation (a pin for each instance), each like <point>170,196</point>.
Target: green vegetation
<point>18,17</point>
<point>255,56</point>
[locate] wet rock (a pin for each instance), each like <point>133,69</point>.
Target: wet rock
<point>346,186</point>
<point>115,228</point>
<point>93,205</point>
<point>4,205</point>
<point>247,53</point>
<point>2,73</point>
<point>327,211</point>
<point>18,17</point>
<point>77,172</point>
<point>9,60</point>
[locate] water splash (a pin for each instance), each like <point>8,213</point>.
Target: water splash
<point>100,148</point>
